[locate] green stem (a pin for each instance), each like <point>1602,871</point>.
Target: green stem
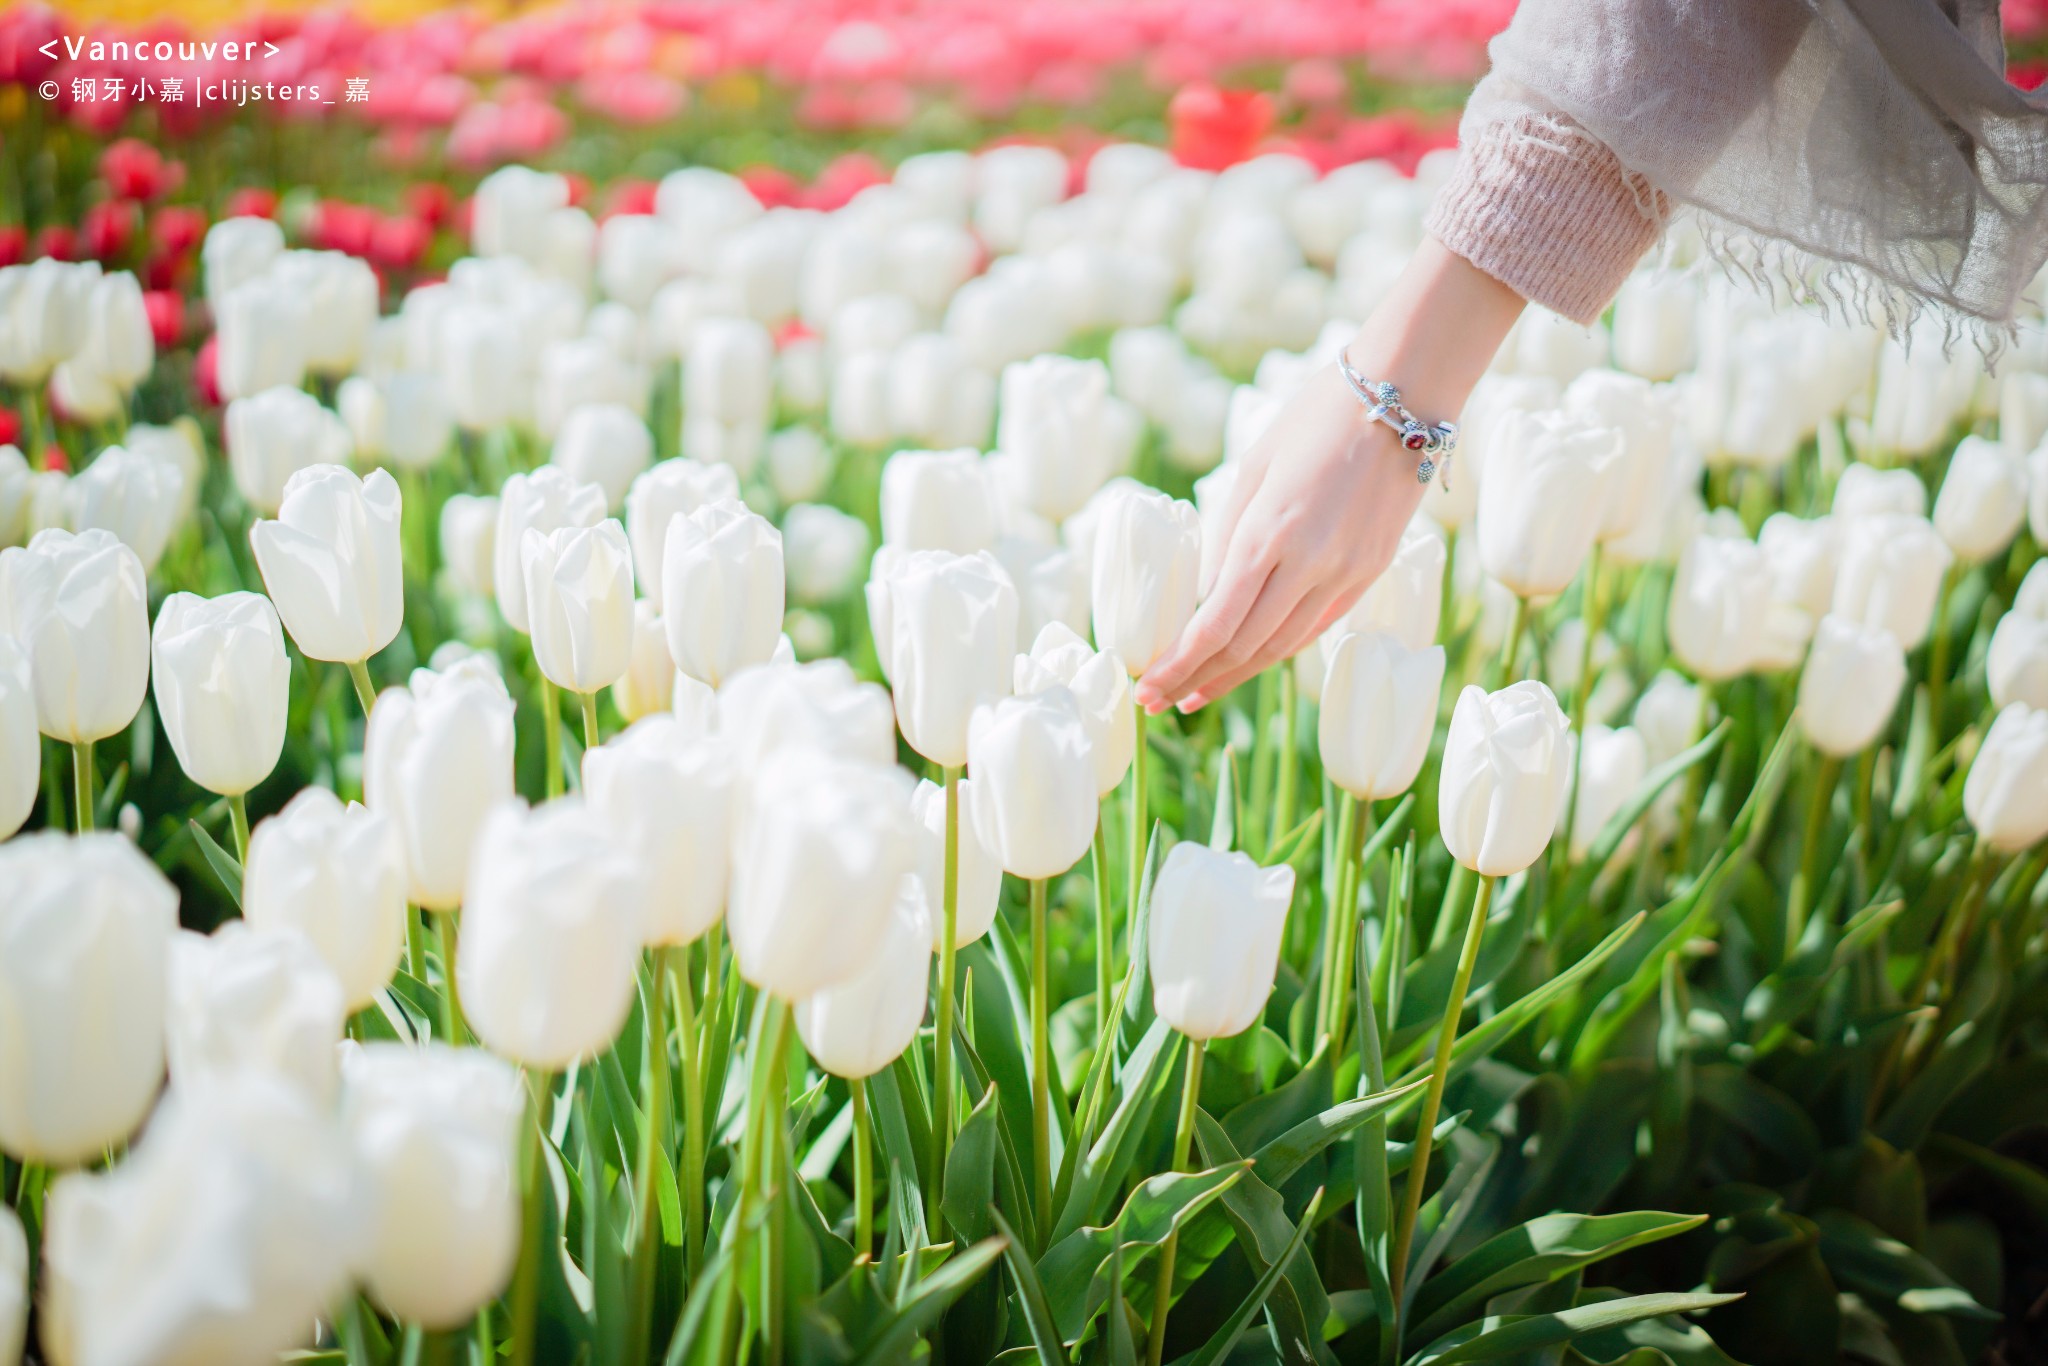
<point>1433,1096</point>
<point>1284,788</point>
<point>238,816</point>
<point>1800,902</point>
<point>1582,697</point>
<point>1041,1060</point>
<point>366,691</point>
<point>942,1037</point>
<point>533,1169</point>
<point>1937,656</point>
<point>1347,929</point>
<point>589,701</point>
<point>1333,915</point>
<point>1183,1140</point>
<point>863,1173</point>
<point>691,1178</point>
<point>451,999</point>
<point>551,737</point>
<point>81,784</point>
<point>1135,873</point>
<point>653,1142</point>
<point>1105,935</point>
<point>416,942</point>
<point>1504,671</point>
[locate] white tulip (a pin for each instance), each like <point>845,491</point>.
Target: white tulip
<point>178,445</point>
<point>579,604</point>
<point>938,500</point>
<point>21,745</point>
<point>1406,600</point>
<point>222,687</point>
<point>2006,794</point>
<point>43,315</point>
<point>402,418</point>
<point>339,295</point>
<point>2016,667</point>
<point>1052,422</point>
<point>1866,491</point>
<point>1801,554</point>
<point>1101,688</point>
<point>1890,574</point>
<point>1655,323</point>
<point>952,623</point>
<point>80,605</point>
<point>551,932</point>
<point>236,251</point>
<point>469,533</point>
<point>729,375</point>
<point>435,1132</point>
<point>820,705</point>
<point>1725,618</point>
<point>1035,807</point>
<point>824,551</point>
<point>336,875</point>
<point>87,924</point>
<point>117,343</point>
<point>332,562</point>
<point>669,489</point>
<point>120,1281</point>
<point>1983,501</point>
<point>665,793</point>
<point>263,331</point>
<point>437,756</point>
<point>1612,764</point>
<point>14,1289</point>
<point>546,500</point>
<point>605,444</point>
<point>1543,498</point>
<point>978,877</point>
<point>857,1027</point>
<point>1214,945</point>
<point>1850,686</point>
<point>1051,583</point>
<point>1505,767</point>
<point>245,999</point>
<point>1147,556</point>
<point>800,464</point>
<point>722,566</point>
<point>649,682</point>
<point>274,434</point>
<point>1379,702</point>
<point>138,497</point>
<point>510,211</point>
<point>820,853</point>
<point>1645,417</point>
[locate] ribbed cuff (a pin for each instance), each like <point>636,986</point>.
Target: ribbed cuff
<point>1542,206</point>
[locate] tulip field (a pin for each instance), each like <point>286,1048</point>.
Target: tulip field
<point>571,786</point>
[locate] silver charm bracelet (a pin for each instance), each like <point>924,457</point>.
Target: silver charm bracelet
<point>1436,442</point>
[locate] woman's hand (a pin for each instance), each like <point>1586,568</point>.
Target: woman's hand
<point>1315,517</point>
<point>1320,505</point>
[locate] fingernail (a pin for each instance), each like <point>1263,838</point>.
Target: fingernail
<point>1191,704</point>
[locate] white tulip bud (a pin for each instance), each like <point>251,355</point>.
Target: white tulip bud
<point>1890,574</point>
<point>1102,690</point>
<point>1505,766</point>
<point>938,500</point>
<point>1850,686</point>
<point>223,687</point>
<point>246,999</point>
<point>546,500</point>
<point>469,533</point>
<point>1544,498</point>
<point>333,564</point>
<point>274,434</point>
<point>1866,491</point>
<point>2016,666</point>
<point>649,682</point>
<point>136,496</point>
<point>1147,556</point>
<point>101,918</point>
<point>1379,702</point>
<point>820,705</point>
<point>1052,421</point>
<point>1214,945</point>
<point>670,489</point>
<point>665,793</point>
<point>952,637</point>
<point>1983,501</point>
<point>402,418</point>
<point>2006,794</point>
<point>824,551</point>
<point>262,335</point>
<point>552,928</point>
<point>978,881</point>
<point>336,875</point>
<point>722,566</point>
<point>437,756</point>
<point>80,606</point>
<point>21,745</point>
<point>857,1027</point>
<point>579,604</point>
<point>236,251</point>
<point>605,444</point>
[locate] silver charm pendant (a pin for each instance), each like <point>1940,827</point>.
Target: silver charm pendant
<point>1424,470</point>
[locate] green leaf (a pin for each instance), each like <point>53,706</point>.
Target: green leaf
<point>1225,1338</point>
<point>1101,1169</point>
<point>930,1299</point>
<point>221,861</point>
<point>1881,1267</point>
<point>1541,1250</point>
<point>708,1317</point>
<point>1257,1217</point>
<point>969,1197</point>
<point>1508,1335</point>
<point>1300,1099</point>
<point>1072,1270</point>
<point>1605,844</point>
<point>1123,1348</point>
<point>1038,1319</point>
<point>1282,1157</point>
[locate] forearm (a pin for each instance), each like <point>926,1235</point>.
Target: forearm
<point>1436,331</point>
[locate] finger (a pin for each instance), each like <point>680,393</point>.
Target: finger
<point>1277,601</point>
<point>1215,622</point>
<point>1250,476</point>
<point>1290,639</point>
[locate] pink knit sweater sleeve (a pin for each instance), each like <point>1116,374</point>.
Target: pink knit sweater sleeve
<point>1545,208</point>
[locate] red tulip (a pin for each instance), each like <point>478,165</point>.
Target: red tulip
<point>13,244</point>
<point>57,241</point>
<point>341,226</point>
<point>178,229</point>
<point>206,372</point>
<point>252,203</point>
<point>166,309</point>
<point>773,186</point>
<point>10,427</point>
<point>52,456</point>
<point>431,202</point>
<point>109,227</point>
<point>399,242</point>
<point>846,176</point>
<point>637,196</point>
<point>135,170</point>
<point>1214,128</point>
